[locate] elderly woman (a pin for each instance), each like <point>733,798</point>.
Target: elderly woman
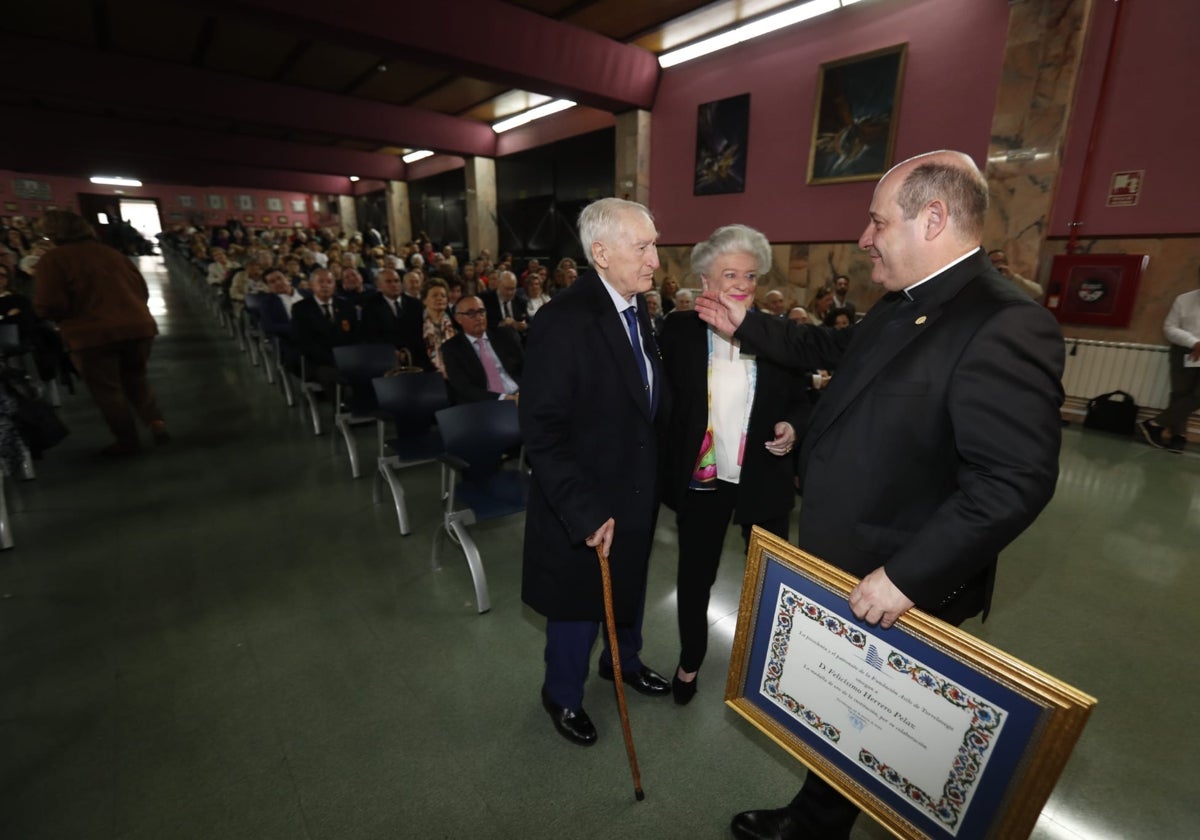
<point>731,431</point>
<point>820,305</point>
<point>535,294</point>
<point>437,326</point>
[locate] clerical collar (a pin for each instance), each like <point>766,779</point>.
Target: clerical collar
<point>911,292</point>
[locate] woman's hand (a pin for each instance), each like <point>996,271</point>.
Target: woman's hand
<point>785,439</point>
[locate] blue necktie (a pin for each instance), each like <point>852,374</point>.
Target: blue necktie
<point>636,341</point>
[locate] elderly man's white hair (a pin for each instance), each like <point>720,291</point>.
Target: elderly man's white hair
<point>600,220</point>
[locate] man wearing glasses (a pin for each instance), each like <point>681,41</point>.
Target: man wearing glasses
<point>481,364</point>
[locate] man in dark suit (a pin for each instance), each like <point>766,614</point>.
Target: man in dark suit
<point>504,307</point>
<point>592,388</point>
<point>390,317</point>
<point>481,364</point>
<point>319,324</point>
<point>841,288</point>
<point>936,444</point>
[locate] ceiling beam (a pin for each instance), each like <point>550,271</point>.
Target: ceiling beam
<point>72,73</point>
<point>536,53</point>
<point>84,134</point>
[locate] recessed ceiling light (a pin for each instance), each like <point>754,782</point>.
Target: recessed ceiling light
<point>114,181</point>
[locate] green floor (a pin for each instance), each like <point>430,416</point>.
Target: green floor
<point>226,638</point>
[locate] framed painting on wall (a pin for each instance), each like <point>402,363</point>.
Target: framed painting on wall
<point>275,205</point>
<point>215,202</point>
<point>245,202</point>
<point>281,220</point>
<point>722,137</point>
<point>854,127</point>
<point>186,201</point>
<point>299,205</point>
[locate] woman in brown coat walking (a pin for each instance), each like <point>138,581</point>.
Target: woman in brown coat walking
<point>98,298</point>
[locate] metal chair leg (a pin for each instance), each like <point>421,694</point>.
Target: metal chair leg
<point>474,561</point>
<point>6,535</point>
<point>351,445</point>
<point>27,471</point>
<point>398,497</point>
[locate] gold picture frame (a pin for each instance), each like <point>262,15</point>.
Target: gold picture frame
<point>989,733</point>
<point>855,119</point>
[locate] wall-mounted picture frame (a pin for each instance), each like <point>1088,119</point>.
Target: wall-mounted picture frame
<point>299,205</point>
<point>31,189</point>
<point>275,205</point>
<point>186,201</point>
<point>215,202</point>
<point>932,732</point>
<point>10,206</point>
<point>857,111</point>
<point>281,220</point>
<point>1095,289</point>
<point>245,202</point>
<point>248,218</point>
<point>722,141</point>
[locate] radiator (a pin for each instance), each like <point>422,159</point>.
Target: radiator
<point>1097,367</point>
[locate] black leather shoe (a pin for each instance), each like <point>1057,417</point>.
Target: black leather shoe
<point>572,724</point>
<point>645,681</point>
<point>683,692</point>
<point>777,824</point>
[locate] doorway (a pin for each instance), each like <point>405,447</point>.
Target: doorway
<point>142,213</point>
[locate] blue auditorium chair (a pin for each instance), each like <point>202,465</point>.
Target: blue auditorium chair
<point>408,402</point>
<point>478,436</point>
<point>354,401</point>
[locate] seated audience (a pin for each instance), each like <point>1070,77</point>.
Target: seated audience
<point>414,284</point>
<point>774,303</point>
<point>535,295</point>
<point>281,287</point>
<point>319,324</point>
<point>841,288</point>
<point>482,364</point>
<point>821,303</point>
<point>654,311</point>
<point>437,325</point>
<point>391,317</point>
<point>221,268</point>
<point>839,317</point>
<point>504,308</point>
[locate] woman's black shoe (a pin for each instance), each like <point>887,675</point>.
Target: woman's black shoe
<point>683,692</point>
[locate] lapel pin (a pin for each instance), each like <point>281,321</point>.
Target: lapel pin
<point>920,320</point>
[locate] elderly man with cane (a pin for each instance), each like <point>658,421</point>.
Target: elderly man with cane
<point>592,390</point>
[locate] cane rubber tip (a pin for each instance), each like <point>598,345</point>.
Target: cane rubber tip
<point>639,794</point>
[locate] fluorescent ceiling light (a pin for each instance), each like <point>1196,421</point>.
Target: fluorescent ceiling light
<point>353,179</point>
<point>754,29</point>
<point>534,114</point>
<point>413,157</point>
<point>113,181</point>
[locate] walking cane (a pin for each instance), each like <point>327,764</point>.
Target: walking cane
<point>606,579</point>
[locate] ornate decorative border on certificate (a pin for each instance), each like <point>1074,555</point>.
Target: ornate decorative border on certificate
<point>928,729</point>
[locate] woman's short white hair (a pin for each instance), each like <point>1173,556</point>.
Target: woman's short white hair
<point>732,239</point>
<point>600,221</point>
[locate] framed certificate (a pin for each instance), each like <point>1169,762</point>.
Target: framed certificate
<point>931,731</point>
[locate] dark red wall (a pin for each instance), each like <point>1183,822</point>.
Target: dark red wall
<point>1151,122</point>
<point>955,52</point>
